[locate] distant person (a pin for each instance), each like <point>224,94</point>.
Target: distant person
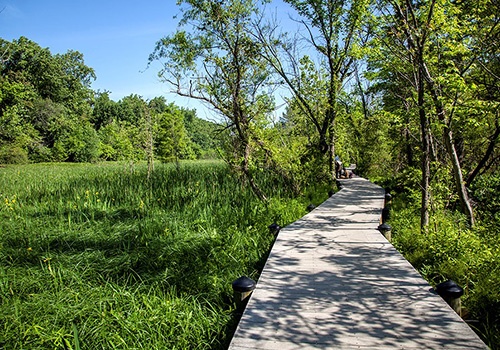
<point>338,167</point>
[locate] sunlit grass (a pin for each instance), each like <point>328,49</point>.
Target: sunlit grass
<point>100,257</point>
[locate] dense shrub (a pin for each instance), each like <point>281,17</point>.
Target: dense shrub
<point>450,250</point>
<point>13,155</point>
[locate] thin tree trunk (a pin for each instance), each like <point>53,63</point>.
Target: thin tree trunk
<point>451,150</point>
<point>246,170</point>
<point>487,155</point>
<point>457,175</point>
<point>425,130</point>
<point>331,155</point>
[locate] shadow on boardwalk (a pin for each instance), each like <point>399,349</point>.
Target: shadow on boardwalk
<point>333,282</point>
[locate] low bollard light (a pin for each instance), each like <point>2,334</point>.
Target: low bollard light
<point>387,199</point>
<point>385,229</point>
<point>242,288</point>
<point>311,207</point>
<point>274,228</point>
<point>451,293</point>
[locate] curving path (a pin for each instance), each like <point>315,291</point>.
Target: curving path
<point>332,281</point>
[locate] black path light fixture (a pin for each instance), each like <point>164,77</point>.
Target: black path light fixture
<point>387,207</point>
<point>385,229</point>
<point>387,199</point>
<point>451,292</point>
<point>242,288</point>
<point>311,207</point>
<point>386,214</point>
<point>274,228</point>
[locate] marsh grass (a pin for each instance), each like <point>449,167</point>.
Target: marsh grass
<point>99,257</point>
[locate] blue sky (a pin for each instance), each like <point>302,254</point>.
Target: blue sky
<point>115,37</point>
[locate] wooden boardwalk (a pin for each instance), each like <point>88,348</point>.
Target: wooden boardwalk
<point>332,281</point>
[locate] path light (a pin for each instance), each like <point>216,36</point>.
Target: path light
<point>274,228</point>
<point>331,193</point>
<point>242,288</point>
<point>387,199</point>
<point>311,207</point>
<point>385,229</point>
<point>451,293</point>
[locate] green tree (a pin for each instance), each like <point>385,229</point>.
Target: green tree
<point>203,134</point>
<point>132,109</point>
<point>116,141</point>
<point>43,99</point>
<point>171,140</point>
<point>17,136</point>
<point>436,47</point>
<point>104,111</point>
<point>217,62</point>
<point>334,32</point>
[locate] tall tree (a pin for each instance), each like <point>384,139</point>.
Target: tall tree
<point>171,140</point>
<point>440,42</point>
<point>334,29</point>
<point>51,92</point>
<point>212,58</point>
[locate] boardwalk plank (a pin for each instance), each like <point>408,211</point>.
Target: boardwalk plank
<point>332,281</point>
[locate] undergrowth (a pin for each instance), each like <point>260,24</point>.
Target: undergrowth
<point>452,250</point>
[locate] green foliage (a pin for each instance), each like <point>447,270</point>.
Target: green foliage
<point>451,250</point>
<point>48,113</point>
<point>44,103</point>
<point>334,31</point>
<point>485,194</point>
<point>98,255</point>
<point>13,155</point>
<point>214,58</point>
<point>203,135</point>
<point>116,142</point>
<point>172,141</point>
<point>104,111</point>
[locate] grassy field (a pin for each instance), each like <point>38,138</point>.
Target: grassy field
<point>100,257</point>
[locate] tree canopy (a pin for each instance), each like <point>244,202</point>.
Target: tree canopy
<point>48,112</point>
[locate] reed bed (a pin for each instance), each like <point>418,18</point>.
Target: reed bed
<point>101,257</point>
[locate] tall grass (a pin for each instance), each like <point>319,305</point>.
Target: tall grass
<point>100,257</point>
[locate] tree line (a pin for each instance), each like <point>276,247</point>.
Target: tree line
<point>408,90</point>
<point>48,112</point>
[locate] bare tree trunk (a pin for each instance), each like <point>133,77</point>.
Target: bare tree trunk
<point>425,130</point>
<point>457,175</point>
<point>451,150</point>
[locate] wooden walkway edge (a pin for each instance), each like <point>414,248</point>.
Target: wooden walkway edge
<point>332,281</point>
